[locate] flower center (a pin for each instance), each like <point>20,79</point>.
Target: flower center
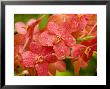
<point>39,59</point>
<point>57,39</point>
<point>87,50</point>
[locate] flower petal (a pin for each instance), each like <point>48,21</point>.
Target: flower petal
<point>76,66</point>
<point>52,69</point>
<point>42,69</point>
<point>35,47</point>
<point>90,42</point>
<point>46,39</point>
<point>31,21</point>
<point>61,50</point>
<point>28,59</point>
<point>50,58</point>
<point>47,50</point>
<point>52,27</point>
<point>20,28</point>
<point>69,40</point>
<point>76,51</point>
<point>83,22</point>
<point>60,66</point>
<point>19,39</point>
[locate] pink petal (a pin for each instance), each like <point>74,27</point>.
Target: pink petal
<point>42,69</point>
<point>47,50</point>
<point>36,30</point>
<point>67,26</point>
<point>74,22</point>
<point>35,47</point>
<point>76,51</point>
<point>52,27</point>
<point>36,36</point>
<point>20,28</point>
<point>31,21</point>
<point>46,39</point>
<point>60,66</point>
<point>83,22</point>
<point>61,50</point>
<point>50,58</point>
<point>28,59</point>
<point>69,40</point>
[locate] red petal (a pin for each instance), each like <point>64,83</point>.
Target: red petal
<point>19,39</point>
<point>94,47</point>
<point>74,21</point>
<point>47,50</point>
<point>50,58</point>
<point>84,64</point>
<point>35,47</point>
<point>18,49</point>
<point>58,18</point>
<point>69,40</point>
<point>52,28</point>
<point>28,59</point>
<point>60,66</point>
<point>90,42</point>
<point>61,50</point>
<point>46,39</point>
<point>76,51</point>
<point>42,69</point>
<point>83,22</point>
<point>76,66</point>
<point>52,69</point>
<point>36,36</point>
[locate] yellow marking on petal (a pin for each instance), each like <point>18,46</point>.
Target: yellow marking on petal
<point>57,39</point>
<point>87,50</point>
<point>39,59</point>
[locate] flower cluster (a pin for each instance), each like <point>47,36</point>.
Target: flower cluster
<point>65,36</point>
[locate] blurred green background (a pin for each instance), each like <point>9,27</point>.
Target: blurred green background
<point>92,65</point>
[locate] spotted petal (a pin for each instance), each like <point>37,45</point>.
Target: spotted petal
<point>46,39</point>
<point>51,58</point>
<point>69,40</point>
<point>61,50</point>
<point>35,47</point>
<point>28,59</point>
<point>76,51</point>
<point>42,69</point>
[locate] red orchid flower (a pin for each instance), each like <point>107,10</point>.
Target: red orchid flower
<point>38,57</point>
<point>82,53</point>
<point>57,36</point>
<point>25,34</point>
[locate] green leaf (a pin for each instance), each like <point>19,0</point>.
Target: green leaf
<point>69,66</point>
<point>43,22</point>
<point>65,73</point>
<point>84,38</point>
<point>91,69</point>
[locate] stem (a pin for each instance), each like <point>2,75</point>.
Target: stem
<point>92,28</point>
